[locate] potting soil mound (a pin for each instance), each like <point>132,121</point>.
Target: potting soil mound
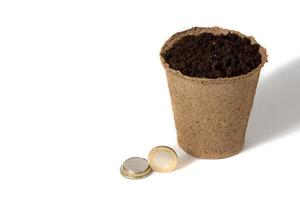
<point>212,56</point>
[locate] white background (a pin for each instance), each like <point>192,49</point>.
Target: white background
<point>82,89</point>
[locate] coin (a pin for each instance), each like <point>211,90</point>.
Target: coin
<point>135,168</point>
<point>162,159</point>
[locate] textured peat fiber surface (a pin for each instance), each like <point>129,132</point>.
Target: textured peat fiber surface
<point>212,56</point>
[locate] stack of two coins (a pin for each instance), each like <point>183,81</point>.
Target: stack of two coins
<point>160,159</point>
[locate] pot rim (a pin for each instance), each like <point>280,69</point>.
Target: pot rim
<point>217,31</point>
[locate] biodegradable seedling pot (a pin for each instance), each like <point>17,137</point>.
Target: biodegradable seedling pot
<point>211,115</point>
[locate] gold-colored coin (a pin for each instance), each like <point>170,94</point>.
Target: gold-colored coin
<point>162,159</point>
<point>135,168</point>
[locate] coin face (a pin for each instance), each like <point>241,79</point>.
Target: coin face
<point>162,159</point>
<point>135,168</point>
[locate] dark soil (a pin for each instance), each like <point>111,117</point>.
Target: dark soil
<point>213,56</point>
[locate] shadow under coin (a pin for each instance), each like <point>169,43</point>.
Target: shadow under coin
<point>184,159</point>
